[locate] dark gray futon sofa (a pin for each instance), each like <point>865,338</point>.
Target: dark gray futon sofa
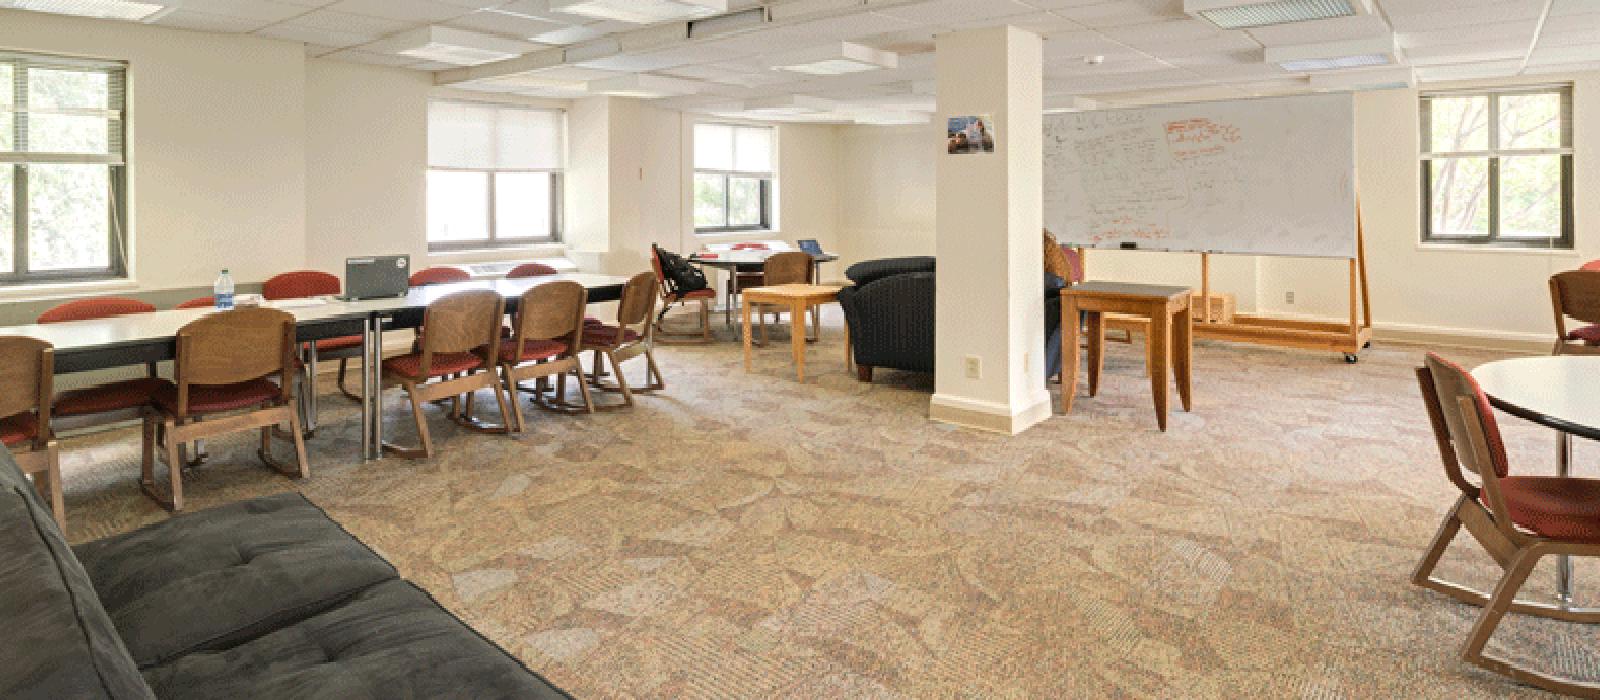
<point>266,598</point>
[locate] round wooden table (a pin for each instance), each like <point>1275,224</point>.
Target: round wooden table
<point>1561,392</point>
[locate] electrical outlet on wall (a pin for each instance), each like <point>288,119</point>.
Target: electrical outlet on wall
<point>1288,297</point>
<point>974,367</point>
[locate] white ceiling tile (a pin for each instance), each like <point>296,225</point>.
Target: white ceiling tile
<point>403,10</point>
<point>958,12</point>
<point>1522,29</point>
<point>1445,17</point>
<point>1469,71</point>
<point>1123,12</point>
<point>312,35</point>
<point>503,24</point>
<point>347,23</point>
<point>1562,8</point>
<point>201,21</point>
<point>263,10</point>
<point>1471,52</point>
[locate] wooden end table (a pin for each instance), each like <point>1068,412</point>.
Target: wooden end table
<point>1171,336</point>
<point>799,298</point>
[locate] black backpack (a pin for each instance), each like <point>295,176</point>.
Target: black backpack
<point>681,277</point>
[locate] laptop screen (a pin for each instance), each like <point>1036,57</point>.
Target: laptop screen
<point>810,245</point>
<point>377,276</point>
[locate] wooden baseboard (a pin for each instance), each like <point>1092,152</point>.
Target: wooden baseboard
<point>985,415</point>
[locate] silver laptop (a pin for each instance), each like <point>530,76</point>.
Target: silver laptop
<point>376,277</point>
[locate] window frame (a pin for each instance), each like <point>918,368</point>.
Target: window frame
<point>764,178</point>
<point>495,241</point>
<point>1565,238</point>
<point>19,159</point>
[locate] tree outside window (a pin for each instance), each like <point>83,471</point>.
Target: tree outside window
<point>1497,167</point>
<point>62,202</point>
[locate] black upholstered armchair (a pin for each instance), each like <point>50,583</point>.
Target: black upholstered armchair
<point>890,311</point>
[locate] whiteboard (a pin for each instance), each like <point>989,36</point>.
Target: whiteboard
<point>1268,176</point>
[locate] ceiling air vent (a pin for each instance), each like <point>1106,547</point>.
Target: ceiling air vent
<point>1244,14</point>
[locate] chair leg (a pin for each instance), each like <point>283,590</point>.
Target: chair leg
<point>653,379</point>
<point>343,364</point>
<point>1504,594</point>
<point>583,389</point>
<point>147,458</point>
<point>174,469</point>
<point>299,446</point>
<point>864,372</point>
<point>515,417</point>
<point>505,411</point>
<point>50,484</point>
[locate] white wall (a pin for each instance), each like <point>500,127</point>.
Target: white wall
<point>216,145</point>
<point>366,150</point>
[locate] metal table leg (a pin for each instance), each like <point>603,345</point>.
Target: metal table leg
<point>375,367</point>
<point>366,390</point>
<point>311,390</point>
<point>1563,562</point>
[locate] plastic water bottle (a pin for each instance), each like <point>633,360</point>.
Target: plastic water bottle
<point>222,291</point>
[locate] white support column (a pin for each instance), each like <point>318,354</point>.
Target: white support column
<point>991,270</point>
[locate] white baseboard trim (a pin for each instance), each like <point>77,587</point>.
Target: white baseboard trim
<point>989,415</point>
<point>1425,334</point>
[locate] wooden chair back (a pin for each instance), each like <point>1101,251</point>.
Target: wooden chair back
<point>638,299</point>
<point>1575,294</point>
<point>466,321</point>
<point>788,268</point>
<point>299,284</point>
<point>235,346</point>
<point>1474,435</point>
<point>551,311</point>
<point>26,381</point>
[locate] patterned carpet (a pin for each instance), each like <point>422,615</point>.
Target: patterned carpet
<point>745,536</point>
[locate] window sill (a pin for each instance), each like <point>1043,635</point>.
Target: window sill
<point>752,233</point>
<point>45,291</point>
<point>553,249</point>
<point>1496,249</point>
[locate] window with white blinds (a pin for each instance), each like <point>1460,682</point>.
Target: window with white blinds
<point>494,175</point>
<point>62,168</point>
<point>732,177</point>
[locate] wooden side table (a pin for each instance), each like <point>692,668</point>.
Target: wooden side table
<point>799,298</point>
<point>1171,336</point>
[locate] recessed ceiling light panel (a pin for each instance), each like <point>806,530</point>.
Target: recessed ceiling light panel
<point>842,58</point>
<point>1306,65</point>
<point>1335,55</point>
<point>98,9</point>
<point>456,47</point>
<point>643,86</point>
<point>1243,14</point>
<point>640,11</point>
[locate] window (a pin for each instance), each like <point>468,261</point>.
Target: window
<point>1497,167</point>
<point>494,175</point>
<point>62,199</point>
<point>732,178</point>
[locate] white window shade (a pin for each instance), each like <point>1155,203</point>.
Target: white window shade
<point>493,137</point>
<point>729,148</point>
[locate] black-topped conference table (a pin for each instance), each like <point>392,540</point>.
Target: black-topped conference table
<point>139,339</point>
<point>1560,392</point>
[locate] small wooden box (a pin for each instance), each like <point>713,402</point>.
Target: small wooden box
<point>1222,307</point>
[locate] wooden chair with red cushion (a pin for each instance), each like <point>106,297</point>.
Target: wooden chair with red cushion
<point>631,336</point>
<point>668,298</point>
<point>1575,294</point>
<point>1517,519</point>
<point>302,284</point>
<point>547,336</point>
<point>236,370</point>
<point>112,401</point>
<point>25,393</point>
<point>456,356</point>
<point>531,270</point>
<point>438,275</point>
